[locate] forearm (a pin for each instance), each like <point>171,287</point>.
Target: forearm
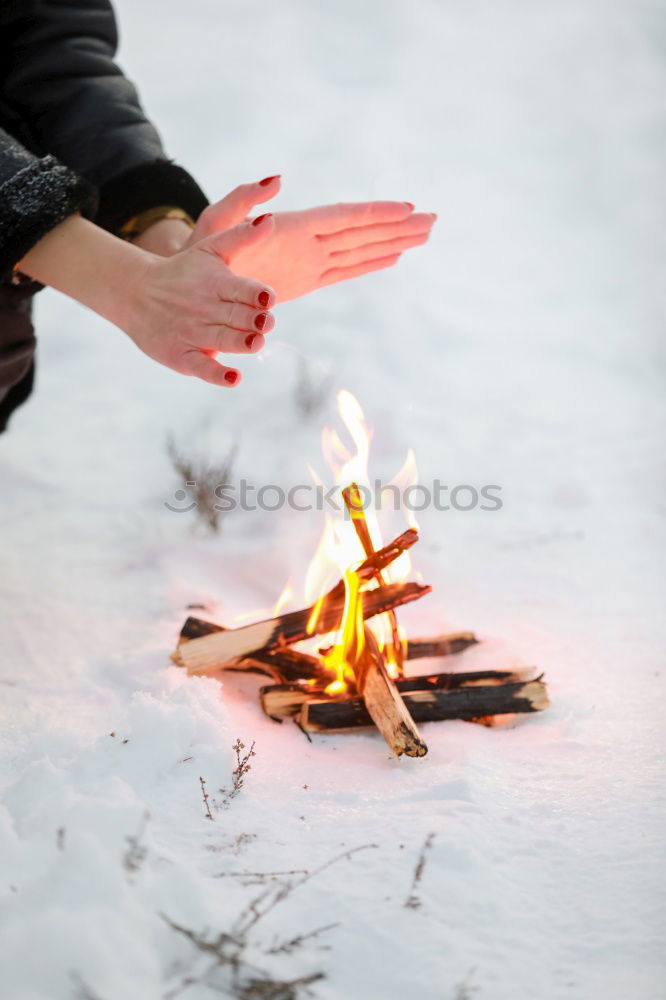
<point>89,265</point>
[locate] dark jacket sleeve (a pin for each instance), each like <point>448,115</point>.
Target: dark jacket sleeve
<point>36,193</point>
<point>59,77</point>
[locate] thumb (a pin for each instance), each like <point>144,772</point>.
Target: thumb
<point>230,244</point>
<point>237,205</point>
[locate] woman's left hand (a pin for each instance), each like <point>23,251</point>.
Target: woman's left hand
<point>318,246</point>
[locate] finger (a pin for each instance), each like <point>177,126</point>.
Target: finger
<point>374,251</point>
<point>235,207</point>
<point>229,244</point>
<point>234,288</point>
<point>239,316</point>
<point>204,367</point>
<point>349,239</point>
<point>226,341</point>
<point>335,274</point>
<point>333,218</point>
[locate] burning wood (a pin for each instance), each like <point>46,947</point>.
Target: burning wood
<point>356,677</point>
<point>287,664</point>
<point>216,649</point>
<point>354,504</point>
<point>470,704</point>
<point>282,701</point>
<point>383,703</point>
<point>282,664</point>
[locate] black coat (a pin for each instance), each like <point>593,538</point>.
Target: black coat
<point>73,135</point>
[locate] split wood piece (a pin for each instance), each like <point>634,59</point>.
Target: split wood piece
<point>283,664</point>
<point>218,648</point>
<point>467,703</point>
<point>383,704</point>
<point>281,701</point>
<point>354,504</point>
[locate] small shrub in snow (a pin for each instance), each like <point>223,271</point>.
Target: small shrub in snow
<point>136,852</point>
<point>311,390</point>
<point>203,477</point>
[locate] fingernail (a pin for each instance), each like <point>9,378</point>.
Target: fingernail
<point>260,320</point>
<point>409,205</point>
<point>260,218</point>
<point>251,340</point>
<point>264,299</point>
<point>267,180</point>
<point>231,377</point>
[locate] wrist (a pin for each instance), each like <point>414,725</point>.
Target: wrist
<point>164,237</point>
<point>90,265</point>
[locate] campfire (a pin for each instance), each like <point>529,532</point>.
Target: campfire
<point>339,663</point>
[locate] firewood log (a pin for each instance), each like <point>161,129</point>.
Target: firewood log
<point>383,704</point>
<point>217,648</point>
<point>283,664</point>
<point>469,703</point>
<point>281,701</point>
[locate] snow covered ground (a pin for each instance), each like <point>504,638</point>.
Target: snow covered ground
<point>522,348</point>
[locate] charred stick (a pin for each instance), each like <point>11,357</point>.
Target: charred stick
<point>281,701</point>
<point>377,561</point>
<point>468,703</point>
<point>217,648</point>
<point>440,645</point>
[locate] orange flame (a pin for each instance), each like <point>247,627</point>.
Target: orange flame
<point>339,549</point>
<point>348,645</point>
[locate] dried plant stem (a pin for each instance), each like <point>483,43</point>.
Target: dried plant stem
<point>413,902</point>
<point>206,799</point>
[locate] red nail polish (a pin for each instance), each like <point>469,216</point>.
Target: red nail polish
<point>409,205</point>
<point>264,299</point>
<point>266,181</point>
<point>231,377</point>
<point>260,218</point>
<point>251,340</point>
<point>260,321</point>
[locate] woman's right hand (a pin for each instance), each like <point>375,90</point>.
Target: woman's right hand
<point>185,309</point>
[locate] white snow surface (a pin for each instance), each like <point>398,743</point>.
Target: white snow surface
<point>521,347</point>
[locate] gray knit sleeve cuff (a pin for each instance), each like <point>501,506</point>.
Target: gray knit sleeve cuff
<point>33,201</point>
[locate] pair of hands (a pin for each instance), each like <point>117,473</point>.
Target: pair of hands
<point>214,295</point>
